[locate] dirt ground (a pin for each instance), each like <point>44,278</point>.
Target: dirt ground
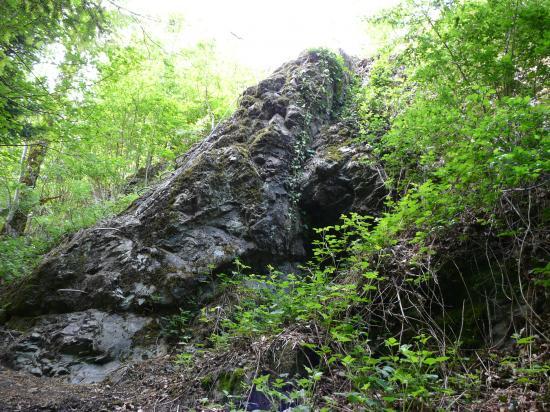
<point>23,392</point>
<point>158,385</point>
<point>132,392</point>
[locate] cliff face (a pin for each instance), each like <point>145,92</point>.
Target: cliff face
<point>283,162</point>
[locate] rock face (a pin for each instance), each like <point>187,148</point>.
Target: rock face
<point>83,345</point>
<point>283,160</point>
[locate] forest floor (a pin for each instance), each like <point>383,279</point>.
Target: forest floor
<point>155,385</point>
<point>149,389</point>
<point>160,386</point>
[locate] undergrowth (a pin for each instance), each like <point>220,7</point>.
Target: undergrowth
<point>440,302</point>
<point>352,361</point>
<point>21,254</point>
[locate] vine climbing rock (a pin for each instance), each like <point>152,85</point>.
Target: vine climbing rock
<point>285,161</point>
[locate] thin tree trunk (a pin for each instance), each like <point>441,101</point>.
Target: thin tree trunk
<point>22,202</point>
<point>148,162</point>
<point>15,202</point>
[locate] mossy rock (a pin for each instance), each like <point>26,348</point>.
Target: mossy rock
<point>226,382</point>
<point>230,382</point>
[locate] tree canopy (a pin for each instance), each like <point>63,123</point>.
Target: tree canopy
<point>27,29</point>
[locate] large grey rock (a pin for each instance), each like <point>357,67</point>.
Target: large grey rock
<point>246,191</point>
<point>83,345</point>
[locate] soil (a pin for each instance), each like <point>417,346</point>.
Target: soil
<point>147,391</point>
<point>159,385</point>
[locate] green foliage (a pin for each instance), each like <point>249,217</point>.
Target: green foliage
<point>332,303</point>
<point>332,299</point>
<point>63,218</point>
<point>177,325</point>
<point>184,359</point>
<point>276,300</point>
<point>543,276</point>
<point>27,29</point>
<point>456,116</point>
<point>456,112</point>
<point>299,392</point>
<point>20,255</point>
<point>148,109</point>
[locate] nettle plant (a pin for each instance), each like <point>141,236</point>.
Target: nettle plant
<point>334,299</point>
<point>355,315</point>
<point>406,374</point>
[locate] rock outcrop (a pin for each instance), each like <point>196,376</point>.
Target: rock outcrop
<point>283,162</point>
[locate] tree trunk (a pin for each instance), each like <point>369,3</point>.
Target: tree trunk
<point>22,202</point>
<point>148,162</point>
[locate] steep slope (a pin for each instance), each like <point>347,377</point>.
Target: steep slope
<point>282,160</point>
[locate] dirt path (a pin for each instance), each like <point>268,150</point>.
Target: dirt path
<point>154,385</point>
<point>23,392</point>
